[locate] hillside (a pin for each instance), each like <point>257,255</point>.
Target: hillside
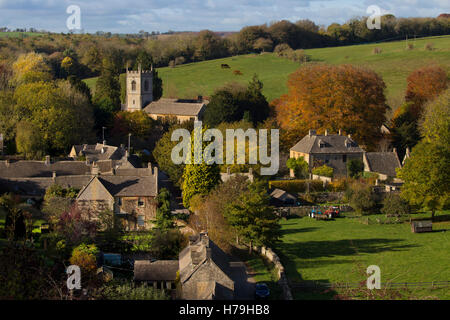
<point>394,64</point>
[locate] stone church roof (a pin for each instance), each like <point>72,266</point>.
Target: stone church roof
<point>175,107</point>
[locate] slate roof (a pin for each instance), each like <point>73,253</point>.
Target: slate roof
<point>383,162</point>
<point>18,169</point>
<point>310,144</point>
<point>161,270</point>
<point>126,186</point>
<point>176,107</point>
<point>97,152</point>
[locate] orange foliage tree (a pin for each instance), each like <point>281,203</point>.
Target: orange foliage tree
<point>425,84</point>
<point>333,97</point>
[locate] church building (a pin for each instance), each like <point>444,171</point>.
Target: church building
<point>140,97</point>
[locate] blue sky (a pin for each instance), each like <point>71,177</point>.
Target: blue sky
<point>125,16</point>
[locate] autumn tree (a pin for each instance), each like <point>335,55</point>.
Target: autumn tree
<point>333,97</point>
<point>30,67</point>
<point>425,84</point>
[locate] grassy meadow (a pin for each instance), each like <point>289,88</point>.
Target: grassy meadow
<point>337,251</point>
<point>394,64</point>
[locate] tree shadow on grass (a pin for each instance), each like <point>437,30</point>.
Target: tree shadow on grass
<point>297,230</point>
<point>345,247</point>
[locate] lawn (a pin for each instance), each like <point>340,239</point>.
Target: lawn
<point>336,252</point>
<point>394,64</point>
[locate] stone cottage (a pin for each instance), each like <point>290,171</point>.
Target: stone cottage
<point>333,150</point>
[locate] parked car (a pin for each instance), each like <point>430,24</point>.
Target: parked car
<point>262,291</point>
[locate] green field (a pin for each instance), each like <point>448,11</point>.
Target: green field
<point>19,34</point>
<point>394,64</point>
<point>332,252</point>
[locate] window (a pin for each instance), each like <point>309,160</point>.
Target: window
<point>141,221</point>
<point>119,202</point>
<point>141,203</point>
<point>344,158</point>
<point>133,85</point>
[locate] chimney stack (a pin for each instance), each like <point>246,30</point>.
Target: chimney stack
<point>47,160</point>
<point>95,170</point>
<point>326,132</point>
<point>200,98</point>
<point>312,133</point>
<point>54,175</point>
<point>340,132</point>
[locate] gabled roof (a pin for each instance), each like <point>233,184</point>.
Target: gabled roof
<point>175,107</point>
<point>382,162</point>
<point>282,195</point>
<point>99,151</point>
<point>311,143</point>
<point>18,169</point>
<point>161,270</point>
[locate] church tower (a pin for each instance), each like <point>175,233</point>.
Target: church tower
<point>139,89</point>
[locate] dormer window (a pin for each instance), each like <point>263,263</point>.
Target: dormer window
<point>321,144</point>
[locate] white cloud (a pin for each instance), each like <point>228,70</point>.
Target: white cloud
<point>163,15</point>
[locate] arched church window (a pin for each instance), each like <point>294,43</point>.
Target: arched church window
<point>133,85</point>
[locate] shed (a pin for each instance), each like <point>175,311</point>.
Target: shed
<point>282,198</point>
<point>162,273</point>
<point>421,226</point>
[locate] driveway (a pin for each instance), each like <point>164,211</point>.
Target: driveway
<point>244,284</point>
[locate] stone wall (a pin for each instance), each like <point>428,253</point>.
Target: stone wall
<point>283,282</point>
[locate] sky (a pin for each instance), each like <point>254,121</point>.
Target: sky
<point>124,16</point>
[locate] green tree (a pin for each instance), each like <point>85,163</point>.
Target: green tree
<point>299,166</point>
<point>29,140</point>
<point>252,217</point>
<point>164,218</point>
<point>360,197</point>
<point>394,206</point>
<point>355,167</point>
<point>324,170</point>
<point>235,102</point>
<point>426,175</point>
<point>163,153</point>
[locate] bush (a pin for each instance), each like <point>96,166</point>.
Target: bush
<point>361,198</point>
<point>429,47</point>
<point>299,166</point>
<point>324,171</point>
<point>394,206</point>
<point>295,186</point>
<point>355,167</point>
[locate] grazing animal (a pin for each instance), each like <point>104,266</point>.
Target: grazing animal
<point>237,73</point>
<point>225,66</point>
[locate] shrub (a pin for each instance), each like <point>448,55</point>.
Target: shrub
<point>429,47</point>
<point>123,290</point>
<point>324,171</point>
<point>394,206</point>
<point>338,185</point>
<point>360,197</point>
<point>355,167</point>
<point>299,166</point>
<point>85,256</point>
<point>282,49</point>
